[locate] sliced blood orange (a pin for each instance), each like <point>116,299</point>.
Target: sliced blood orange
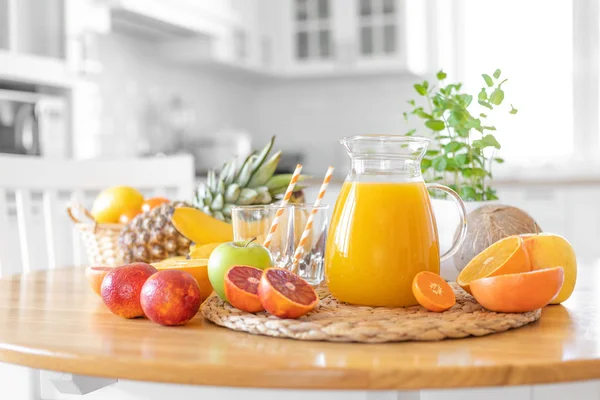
<point>506,256</point>
<point>95,276</point>
<point>522,292</point>
<point>286,295</point>
<point>433,292</point>
<point>241,288</point>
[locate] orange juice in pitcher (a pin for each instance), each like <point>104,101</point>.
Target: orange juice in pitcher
<point>383,231</point>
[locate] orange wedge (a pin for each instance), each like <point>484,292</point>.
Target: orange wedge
<point>507,256</point>
<point>433,292</point>
<point>514,293</point>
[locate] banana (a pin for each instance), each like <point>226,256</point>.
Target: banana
<point>199,227</point>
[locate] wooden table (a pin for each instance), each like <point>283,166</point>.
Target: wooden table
<point>52,320</point>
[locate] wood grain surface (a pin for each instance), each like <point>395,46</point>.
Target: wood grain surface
<point>52,320</point>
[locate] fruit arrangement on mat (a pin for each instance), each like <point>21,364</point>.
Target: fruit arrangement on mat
<point>175,254</point>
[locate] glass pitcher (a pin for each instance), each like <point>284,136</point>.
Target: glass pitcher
<point>383,231</point>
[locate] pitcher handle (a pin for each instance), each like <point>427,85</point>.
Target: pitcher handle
<point>463,219</point>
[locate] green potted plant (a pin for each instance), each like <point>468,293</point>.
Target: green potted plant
<point>463,143</point>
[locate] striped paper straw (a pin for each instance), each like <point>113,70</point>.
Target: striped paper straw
<point>311,217</point>
<point>284,202</point>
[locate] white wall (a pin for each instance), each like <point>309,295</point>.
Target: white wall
<point>311,115</point>
<point>307,115</point>
<point>135,76</point>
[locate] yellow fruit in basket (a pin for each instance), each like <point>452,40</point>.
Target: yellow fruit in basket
<point>114,202</point>
<point>202,251</point>
<point>199,227</point>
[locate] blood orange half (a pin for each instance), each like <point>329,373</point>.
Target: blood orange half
<point>95,276</point>
<point>286,295</point>
<point>241,288</point>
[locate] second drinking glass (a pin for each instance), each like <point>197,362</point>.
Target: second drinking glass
<point>255,221</point>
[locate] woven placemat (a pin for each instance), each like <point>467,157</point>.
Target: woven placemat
<point>339,322</point>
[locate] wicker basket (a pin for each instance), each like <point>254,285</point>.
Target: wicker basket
<point>99,240</point>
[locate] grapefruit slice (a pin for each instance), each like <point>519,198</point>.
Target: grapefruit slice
<point>95,276</point>
<point>514,293</point>
<point>286,295</point>
<point>506,256</point>
<point>433,292</point>
<point>241,288</point>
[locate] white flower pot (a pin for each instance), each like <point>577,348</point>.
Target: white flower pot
<point>448,219</point>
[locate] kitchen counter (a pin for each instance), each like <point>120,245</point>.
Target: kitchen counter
<point>52,320</point>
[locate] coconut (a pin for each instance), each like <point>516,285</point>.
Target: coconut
<point>488,224</point>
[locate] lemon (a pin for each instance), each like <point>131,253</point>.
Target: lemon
<point>112,202</point>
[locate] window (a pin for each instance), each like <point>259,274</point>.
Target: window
<point>377,27</point>
<point>537,58</point>
<point>313,38</point>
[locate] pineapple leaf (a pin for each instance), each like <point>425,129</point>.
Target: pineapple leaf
<point>262,175</point>
<point>264,153</point>
<point>281,190</point>
<point>246,172</point>
<point>246,161</point>
<point>228,179</point>
<point>282,181</point>
<point>211,181</point>
<point>232,193</point>
<point>247,196</point>
<point>225,170</point>
<point>218,202</point>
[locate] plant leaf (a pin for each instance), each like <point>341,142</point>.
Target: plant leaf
<point>488,80</point>
<point>486,141</point>
<point>499,160</point>
<point>425,164</point>
<point>467,193</point>
<point>483,103</point>
<point>439,163</point>
<point>453,147</point>
<point>420,113</point>
<point>441,75</point>
<point>482,96</point>
<point>465,99</point>
<point>420,89</point>
<point>435,125</point>
<point>513,110</point>
<point>430,153</point>
<point>473,123</point>
<point>410,133</point>
<point>482,115</point>
<point>411,102</point>
<point>497,74</point>
<point>497,96</point>
<point>461,159</point>
<point>489,128</point>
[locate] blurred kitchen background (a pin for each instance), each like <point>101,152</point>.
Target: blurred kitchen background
<point>215,78</point>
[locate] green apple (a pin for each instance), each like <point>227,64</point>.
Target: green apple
<point>229,254</point>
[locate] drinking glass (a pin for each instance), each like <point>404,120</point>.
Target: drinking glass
<point>255,221</point>
<point>310,266</point>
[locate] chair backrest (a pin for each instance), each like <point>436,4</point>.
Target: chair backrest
<point>34,192</point>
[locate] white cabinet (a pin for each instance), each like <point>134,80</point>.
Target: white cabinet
<point>43,42</point>
<point>285,38</point>
<point>334,37</point>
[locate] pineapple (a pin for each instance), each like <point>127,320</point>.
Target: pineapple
<point>254,183</point>
<point>151,236</point>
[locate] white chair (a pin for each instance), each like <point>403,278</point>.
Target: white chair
<point>34,193</point>
<point>36,233</point>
